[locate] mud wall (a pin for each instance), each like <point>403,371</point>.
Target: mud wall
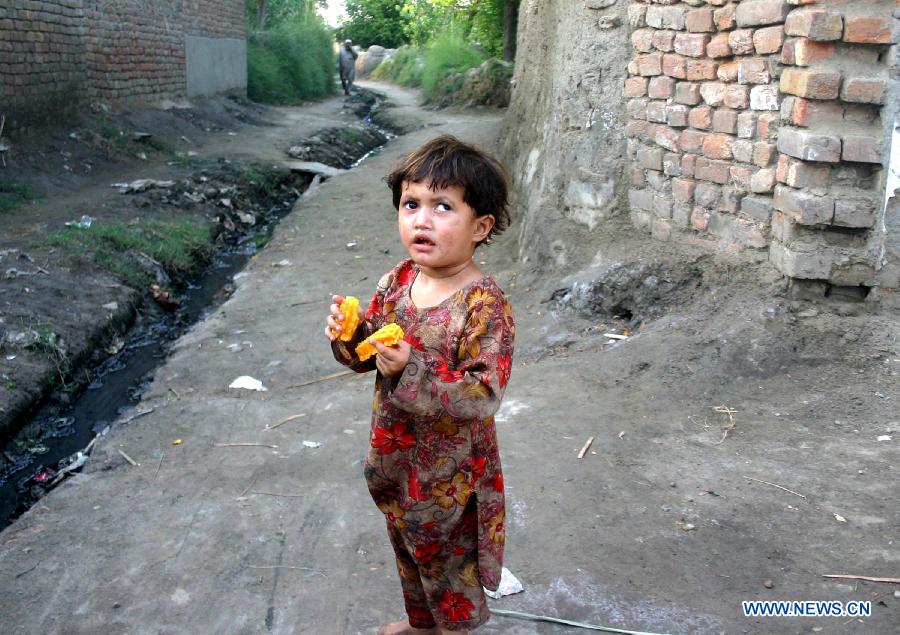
<point>56,54</point>
<point>563,135</point>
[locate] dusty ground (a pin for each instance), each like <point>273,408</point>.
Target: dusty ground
<point>665,525</point>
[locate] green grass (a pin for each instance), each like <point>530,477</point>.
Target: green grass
<point>14,194</point>
<point>290,64</point>
<point>179,246</point>
<point>445,56</point>
<point>404,67</point>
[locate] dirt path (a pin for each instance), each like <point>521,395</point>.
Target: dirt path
<point>665,525</point>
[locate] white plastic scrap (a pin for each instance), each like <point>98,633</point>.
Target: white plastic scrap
<point>245,381</point>
<point>312,444</point>
<point>509,585</point>
<point>885,437</point>
<point>83,223</point>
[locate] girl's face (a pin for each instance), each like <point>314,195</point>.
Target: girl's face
<point>437,228</point>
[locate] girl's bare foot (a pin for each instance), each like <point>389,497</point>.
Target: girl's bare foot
<point>403,628</point>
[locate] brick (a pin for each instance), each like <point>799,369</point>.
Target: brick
<point>724,121</point>
<point>636,129</point>
<point>642,40</point>
<point>767,125</point>
<point>753,70</point>
<point>691,44</point>
<point>763,181</point>
<point>801,174</point>
<point>633,67</point>
<point>640,199</point>
<point>658,181</point>
<point>688,165</point>
<point>661,87</point>
<point>673,66</point>
<point>724,18</point>
<point>667,137</point>
<point>731,199</point>
<point>863,91</point>
<point>700,117</point>
<point>710,170</point>
<point>681,214</point>
<point>683,190</point>
<point>764,97</point>
<point>699,21</point>
<point>812,84</point>
<point>854,211</point>
<point>760,12</point>
<point>690,141</point>
<point>763,153</point>
<point>728,71</point>
<point>809,146</point>
<point>637,15</point>
<point>816,24</point>
<point>677,116</point>
<point>868,29</point>
<point>758,208</point>
<point>635,86</point>
<point>718,46</point>
<point>807,52</point>
<point>804,112</point>
<point>804,208</point>
<point>699,219</point>
<point>666,17</point>
<point>737,96</point>
<point>861,148</point>
<point>672,164</point>
<point>662,206</point>
<point>713,93</point>
<point>741,42</point>
<point>805,265</point>
<point>768,40</point>
<point>746,125</point>
<point>649,158</point>
<point>707,195</point>
<point>700,69</point>
<point>859,114</point>
<point>656,111</point>
<point>650,64</point>
<point>637,108</point>
<point>662,227</point>
<point>740,175</point>
<point>687,93</point>
<point>662,40</point>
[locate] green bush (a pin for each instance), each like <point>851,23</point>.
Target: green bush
<point>404,67</point>
<point>445,56</point>
<point>290,63</point>
<point>14,194</point>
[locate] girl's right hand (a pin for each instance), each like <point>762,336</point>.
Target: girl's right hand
<point>335,318</point>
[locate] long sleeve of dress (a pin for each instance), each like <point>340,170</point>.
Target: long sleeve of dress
<point>430,387</point>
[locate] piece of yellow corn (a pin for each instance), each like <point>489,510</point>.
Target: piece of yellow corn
<point>388,335</point>
<point>350,311</point>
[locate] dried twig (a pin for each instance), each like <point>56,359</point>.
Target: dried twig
<point>584,448</point>
<point>342,373</point>
<point>284,566</point>
<point>867,578</point>
<point>247,489</point>
<point>306,302</point>
<point>137,414</point>
<point>244,445</point>
<point>286,420</point>
<point>175,392</point>
<point>790,491</point>
<point>253,491</point>
<point>727,411</point>
<point>129,459</point>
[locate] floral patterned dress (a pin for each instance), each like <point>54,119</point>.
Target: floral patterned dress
<point>433,466</point>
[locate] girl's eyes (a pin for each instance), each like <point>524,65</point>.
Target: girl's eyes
<point>440,207</point>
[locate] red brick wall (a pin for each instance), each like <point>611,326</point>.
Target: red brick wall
<point>758,124</point>
<point>55,55</point>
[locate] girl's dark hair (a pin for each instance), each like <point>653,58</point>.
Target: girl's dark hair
<point>446,161</point>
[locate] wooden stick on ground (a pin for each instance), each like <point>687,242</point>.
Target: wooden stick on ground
<point>159,465</point>
<point>286,420</point>
<point>727,411</point>
<point>247,489</point>
<point>342,373</point>
<point>129,459</point>
<point>587,444</point>
<point>863,577</point>
<point>243,445</point>
<point>253,491</point>
<point>790,491</point>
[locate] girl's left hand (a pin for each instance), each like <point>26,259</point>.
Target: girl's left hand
<point>391,360</point>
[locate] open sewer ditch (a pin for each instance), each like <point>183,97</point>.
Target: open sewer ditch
<point>57,440</point>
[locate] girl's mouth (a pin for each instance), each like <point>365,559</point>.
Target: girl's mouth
<point>423,241</point>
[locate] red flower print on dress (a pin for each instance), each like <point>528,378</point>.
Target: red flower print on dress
<point>459,551</point>
<point>478,467</point>
<point>498,483</point>
<point>415,488</point>
<point>426,552</point>
<point>394,513</point>
<point>374,307</point>
<point>414,342</point>
<point>389,441</point>
<point>406,275</point>
<point>446,373</point>
<point>456,606</point>
<point>504,368</point>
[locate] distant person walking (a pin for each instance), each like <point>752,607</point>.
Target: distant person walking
<point>347,65</point>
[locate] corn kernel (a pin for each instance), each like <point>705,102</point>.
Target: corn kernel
<point>388,335</point>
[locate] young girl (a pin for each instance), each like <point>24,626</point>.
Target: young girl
<point>433,466</point>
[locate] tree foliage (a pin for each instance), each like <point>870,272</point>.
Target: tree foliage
<point>263,14</point>
<point>374,22</point>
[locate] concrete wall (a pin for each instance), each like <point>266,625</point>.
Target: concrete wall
<point>56,55</point>
<point>215,65</point>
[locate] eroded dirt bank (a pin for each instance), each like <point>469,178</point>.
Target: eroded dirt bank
<point>722,393</point>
